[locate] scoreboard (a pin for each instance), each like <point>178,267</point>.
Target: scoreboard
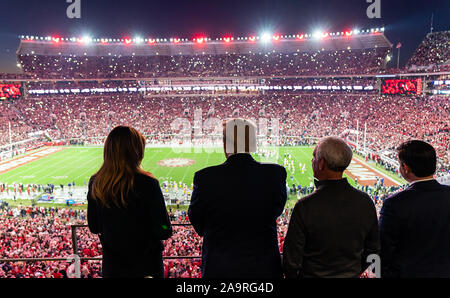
<point>10,91</point>
<point>401,86</point>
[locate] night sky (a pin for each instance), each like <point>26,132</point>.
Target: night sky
<point>404,21</point>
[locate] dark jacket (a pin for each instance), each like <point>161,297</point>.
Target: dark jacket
<point>331,232</point>
<point>234,206</point>
<point>415,232</point>
<point>131,237</point>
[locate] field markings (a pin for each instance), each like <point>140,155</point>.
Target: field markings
<point>25,169</point>
<point>29,167</point>
<point>78,162</point>
<point>367,175</point>
<point>44,167</point>
<point>206,164</point>
<point>87,161</point>
<point>48,167</point>
<point>378,171</point>
<point>28,158</point>
<point>158,166</point>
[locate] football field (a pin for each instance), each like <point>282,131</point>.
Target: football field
<point>77,164</point>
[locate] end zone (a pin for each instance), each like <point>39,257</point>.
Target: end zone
<point>27,158</point>
<point>367,175</point>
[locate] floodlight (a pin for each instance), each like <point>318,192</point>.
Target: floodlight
<point>265,37</point>
<point>86,39</point>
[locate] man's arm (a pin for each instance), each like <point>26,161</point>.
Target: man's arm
<point>372,241</point>
<point>196,210</point>
<point>388,238</point>
<point>294,244</point>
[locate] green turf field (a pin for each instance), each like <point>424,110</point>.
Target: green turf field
<point>79,163</point>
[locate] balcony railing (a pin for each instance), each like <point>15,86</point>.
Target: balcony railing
<point>77,259</point>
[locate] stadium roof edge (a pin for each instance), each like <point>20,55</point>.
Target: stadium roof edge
<point>49,48</point>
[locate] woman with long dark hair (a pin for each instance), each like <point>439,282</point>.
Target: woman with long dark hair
<point>126,208</point>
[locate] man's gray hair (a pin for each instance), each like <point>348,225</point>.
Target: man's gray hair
<point>336,153</point>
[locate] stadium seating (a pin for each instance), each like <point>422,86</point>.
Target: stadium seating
<point>314,115</point>
<point>268,64</point>
<point>432,54</point>
<point>31,232</point>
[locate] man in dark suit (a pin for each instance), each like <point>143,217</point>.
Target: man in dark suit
<point>234,207</point>
<point>415,223</point>
<point>333,230</point>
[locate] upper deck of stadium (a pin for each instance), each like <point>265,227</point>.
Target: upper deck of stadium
<point>56,46</point>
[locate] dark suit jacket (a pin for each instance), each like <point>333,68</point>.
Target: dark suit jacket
<point>234,206</point>
<point>415,232</point>
<point>131,237</point>
<point>331,232</point>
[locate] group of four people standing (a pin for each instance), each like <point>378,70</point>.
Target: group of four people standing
<point>235,205</point>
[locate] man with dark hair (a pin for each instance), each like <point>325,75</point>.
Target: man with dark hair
<point>333,230</point>
<point>419,157</point>
<point>234,207</point>
<point>415,223</point>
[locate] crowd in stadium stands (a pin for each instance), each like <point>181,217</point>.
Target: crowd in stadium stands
<point>205,65</point>
<point>388,118</point>
<point>432,54</point>
<point>37,232</point>
<point>31,232</point>
<point>47,85</point>
<point>28,232</point>
<point>13,76</point>
<point>19,127</point>
<point>433,51</point>
<point>40,232</point>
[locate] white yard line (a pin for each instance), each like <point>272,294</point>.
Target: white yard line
<point>157,166</point>
<point>19,165</point>
<point>89,160</point>
<point>44,169</point>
